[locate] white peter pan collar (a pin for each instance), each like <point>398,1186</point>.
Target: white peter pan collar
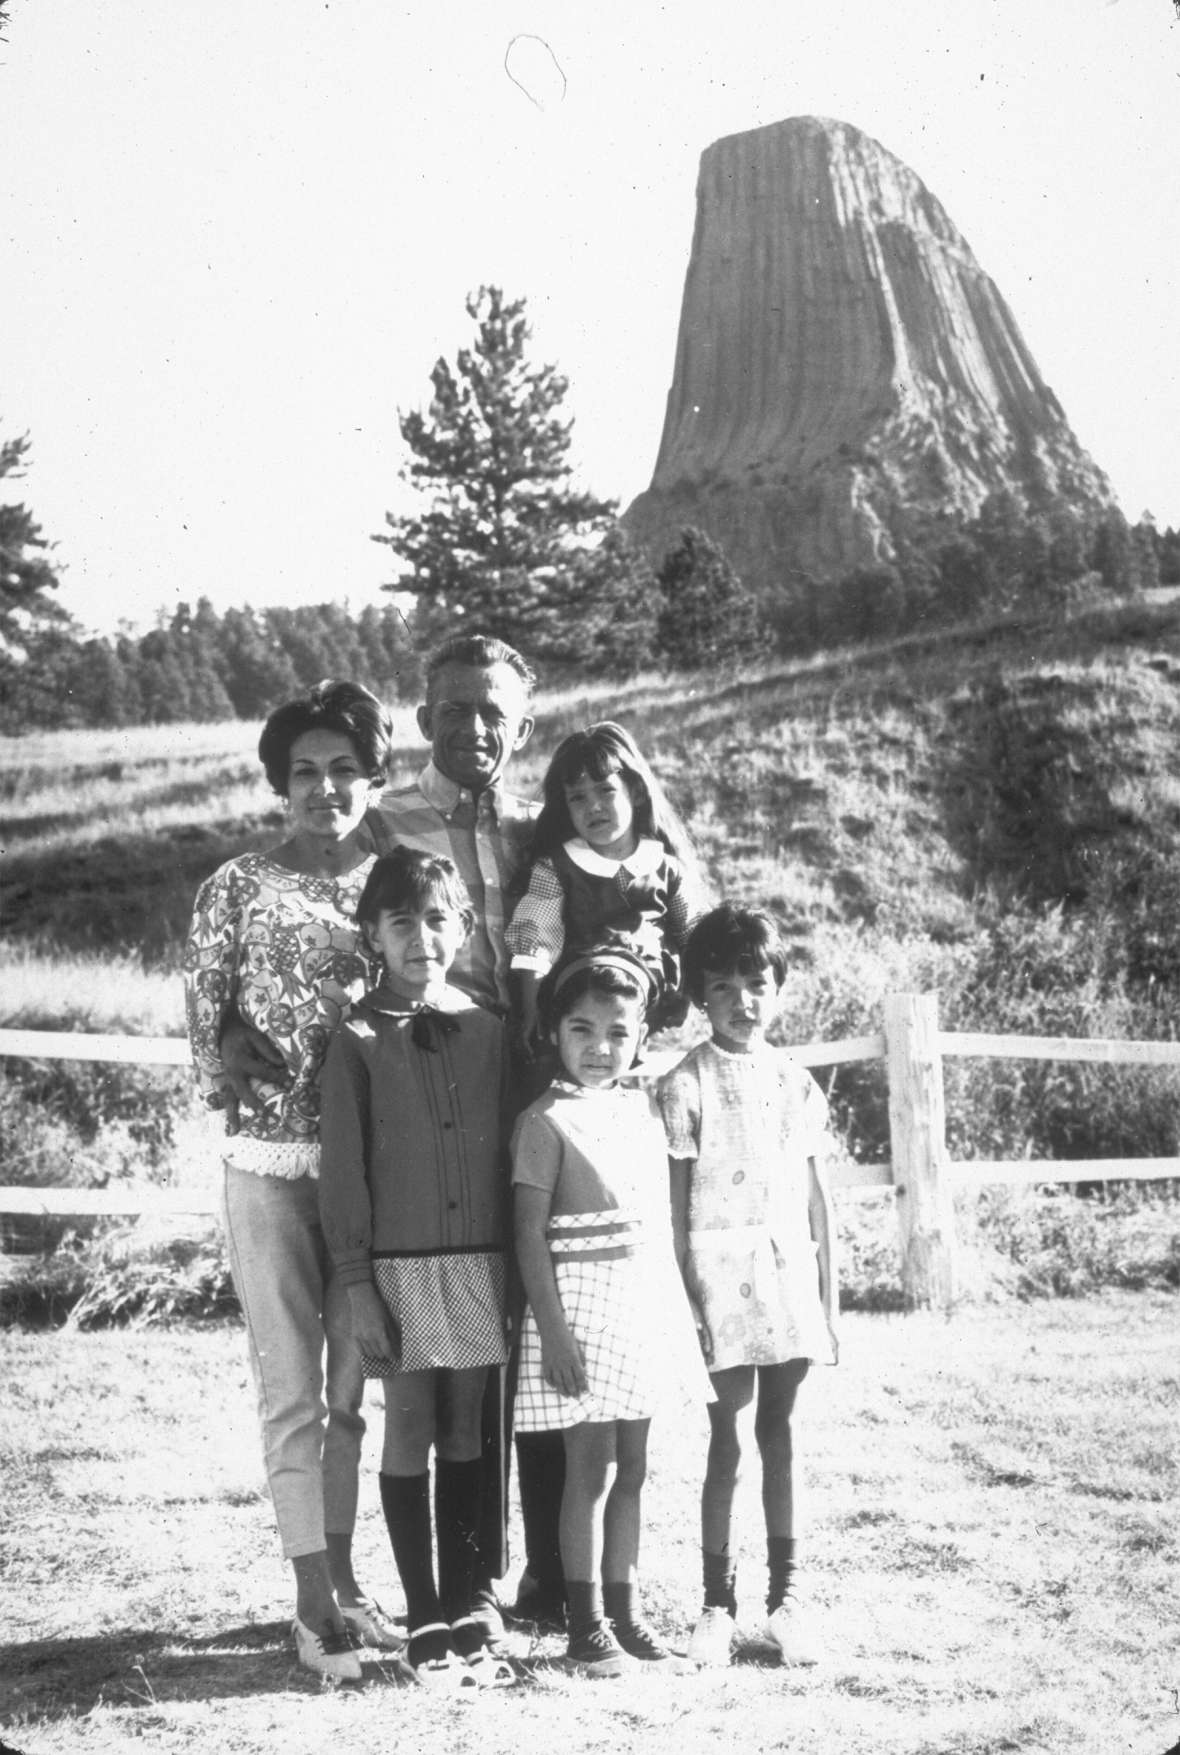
<point>645,859</point>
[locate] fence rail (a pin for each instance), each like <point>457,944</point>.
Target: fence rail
<point>920,1173</point>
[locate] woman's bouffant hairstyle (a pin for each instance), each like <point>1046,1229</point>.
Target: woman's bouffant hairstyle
<point>606,969</point>
<point>330,705</point>
<point>732,941</point>
<point>410,879</point>
<point>599,750</point>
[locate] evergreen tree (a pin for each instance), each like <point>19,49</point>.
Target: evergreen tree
<point>707,615</point>
<point>601,614</point>
<point>1145,553</point>
<point>26,577</point>
<point>1112,553</point>
<point>1169,557</point>
<point>491,455</point>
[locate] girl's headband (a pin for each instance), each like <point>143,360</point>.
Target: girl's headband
<point>623,962</point>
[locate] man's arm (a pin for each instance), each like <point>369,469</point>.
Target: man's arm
<point>246,1054</point>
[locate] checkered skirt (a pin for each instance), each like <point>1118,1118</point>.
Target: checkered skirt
<point>448,1308</point>
<point>631,1320</point>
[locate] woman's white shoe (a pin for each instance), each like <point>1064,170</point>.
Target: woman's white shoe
<point>330,1654</point>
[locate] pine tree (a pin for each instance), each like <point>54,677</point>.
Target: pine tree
<point>26,575</point>
<point>707,615</point>
<point>491,455</point>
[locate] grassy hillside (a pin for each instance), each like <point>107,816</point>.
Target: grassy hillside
<point>991,812</point>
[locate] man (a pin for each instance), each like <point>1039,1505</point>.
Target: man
<point>476,715</point>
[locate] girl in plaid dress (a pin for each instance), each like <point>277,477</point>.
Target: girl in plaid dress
<point>608,1332</point>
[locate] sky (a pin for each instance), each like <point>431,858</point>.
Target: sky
<point>235,236</point>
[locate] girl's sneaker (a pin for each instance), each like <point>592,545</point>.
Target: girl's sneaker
<point>596,1653</point>
<point>785,1629</point>
<point>712,1638</point>
<point>639,1641</point>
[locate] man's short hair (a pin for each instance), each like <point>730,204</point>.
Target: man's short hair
<point>479,651</point>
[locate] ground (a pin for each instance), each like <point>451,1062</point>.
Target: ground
<point>992,1558</point>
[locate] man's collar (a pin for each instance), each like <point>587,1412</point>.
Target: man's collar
<point>641,863</point>
<point>446,795</point>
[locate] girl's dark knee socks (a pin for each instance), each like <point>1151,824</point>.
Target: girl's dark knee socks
<point>405,1500</point>
<point>457,1490</point>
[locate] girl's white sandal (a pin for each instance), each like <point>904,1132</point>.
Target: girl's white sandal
<point>445,1673</point>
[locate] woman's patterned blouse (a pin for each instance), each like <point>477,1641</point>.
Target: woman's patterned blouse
<point>285,949</point>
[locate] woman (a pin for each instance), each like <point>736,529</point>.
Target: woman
<point>274,937</point>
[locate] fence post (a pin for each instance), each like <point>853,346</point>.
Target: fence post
<point>917,1127</point>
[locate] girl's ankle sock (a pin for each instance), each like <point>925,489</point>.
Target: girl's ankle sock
<point>583,1607</point>
<point>405,1500</point>
<point>782,1568</point>
<point>457,1487</point>
<point>720,1578</point>
<point>618,1603</point>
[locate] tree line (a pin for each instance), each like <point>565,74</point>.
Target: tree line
<point>502,539</point>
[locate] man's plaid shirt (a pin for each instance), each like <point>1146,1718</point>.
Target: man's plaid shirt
<point>488,837</point>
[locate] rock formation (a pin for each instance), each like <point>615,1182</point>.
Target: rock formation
<point>841,352</point>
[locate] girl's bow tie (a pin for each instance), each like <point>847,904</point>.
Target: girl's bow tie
<point>444,1023</point>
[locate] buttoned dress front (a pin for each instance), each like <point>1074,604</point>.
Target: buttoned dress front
<point>413,1173</point>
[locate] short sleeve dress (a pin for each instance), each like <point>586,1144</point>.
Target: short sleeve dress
<point>749,1123</point>
<point>601,1155</point>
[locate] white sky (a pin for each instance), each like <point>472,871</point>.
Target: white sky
<point>235,235</point>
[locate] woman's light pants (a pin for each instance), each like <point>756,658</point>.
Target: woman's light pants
<point>295,1315</point>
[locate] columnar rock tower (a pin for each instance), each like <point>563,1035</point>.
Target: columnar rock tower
<point>841,352</point>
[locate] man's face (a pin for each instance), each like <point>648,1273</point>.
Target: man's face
<point>475,717</point>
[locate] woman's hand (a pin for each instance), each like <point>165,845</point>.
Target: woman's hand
<point>373,1329</point>
<point>562,1364</point>
<point>834,1337</point>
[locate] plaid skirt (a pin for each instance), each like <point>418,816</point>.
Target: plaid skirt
<point>630,1317</point>
<point>448,1309</point>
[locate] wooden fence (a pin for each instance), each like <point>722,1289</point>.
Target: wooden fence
<point>919,1171</point>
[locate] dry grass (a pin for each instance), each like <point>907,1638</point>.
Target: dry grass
<point>993,1516</point>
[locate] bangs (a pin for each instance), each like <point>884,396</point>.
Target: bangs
<point>590,760</point>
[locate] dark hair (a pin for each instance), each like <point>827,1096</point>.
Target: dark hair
<point>729,941</point>
<point>597,751</point>
<point>578,973</point>
<point>408,878</point>
<point>331,705</point>
<point>479,651</point>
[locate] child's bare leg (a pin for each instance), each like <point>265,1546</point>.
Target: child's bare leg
<point>734,1390</point>
<point>778,1385</point>
<point>589,1457</point>
<point>622,1522</point>
<point>710,1642</point>
<point>622,1516</point>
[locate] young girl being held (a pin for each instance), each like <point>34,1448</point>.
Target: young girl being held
<point>754,1235</point>
<point>414,1200</point>
<point>608,1333</point>
<point>609,858</point>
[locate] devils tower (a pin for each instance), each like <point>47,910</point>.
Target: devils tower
<point>841,353</point>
